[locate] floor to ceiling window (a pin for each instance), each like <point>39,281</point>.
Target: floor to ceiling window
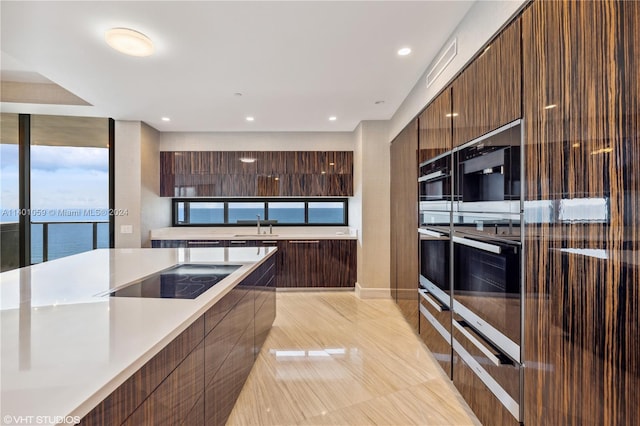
<point>66,192</point>
<point>69,186</point>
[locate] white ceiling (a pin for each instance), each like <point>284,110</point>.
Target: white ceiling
<point>296,62</point>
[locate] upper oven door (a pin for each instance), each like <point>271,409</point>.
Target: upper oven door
<point>434,183</point>
<point>488,172</point>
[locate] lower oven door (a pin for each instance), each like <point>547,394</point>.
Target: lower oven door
<point>487,289</point>
<point>487,379</point>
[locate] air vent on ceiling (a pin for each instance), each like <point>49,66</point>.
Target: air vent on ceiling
<point>447,56</point>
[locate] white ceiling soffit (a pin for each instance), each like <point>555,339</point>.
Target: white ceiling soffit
<point>295,63</point>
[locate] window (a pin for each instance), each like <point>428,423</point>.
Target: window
<point>244,212</point>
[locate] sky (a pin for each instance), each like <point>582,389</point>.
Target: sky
<point>61,178</point>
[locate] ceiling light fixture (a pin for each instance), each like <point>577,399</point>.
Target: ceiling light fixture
<point>237,94</point>
<point>250,118</point>
<point>248,160</point>
<point>378,102</point>
<point>129,42</point>
<point>550,106</point>
<point>166,119</point>
<point>404,51</point>
<point>333,118</point>
<point>455,114</point>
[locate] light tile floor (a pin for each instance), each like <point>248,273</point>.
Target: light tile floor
<point>333,359</point>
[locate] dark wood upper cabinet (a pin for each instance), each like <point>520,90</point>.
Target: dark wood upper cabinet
<point>273,173</point>
<point>404,222</point>
<point>487,94</point>
<point>435,127</point>
<point>582,147</point>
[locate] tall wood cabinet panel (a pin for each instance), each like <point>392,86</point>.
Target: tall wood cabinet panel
<point>404,222</point>
<point>487,93</point>
<point>582,271</point>
<point>274,173</point>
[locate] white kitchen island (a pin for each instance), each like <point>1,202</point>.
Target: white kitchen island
<point>66,345</point>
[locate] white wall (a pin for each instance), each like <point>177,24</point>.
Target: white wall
<point>479,25</point>
<point>127,182</point>
<point>256,141</point>
<point>374,237</point>
<point>153,208</point>
<point>137,180</point>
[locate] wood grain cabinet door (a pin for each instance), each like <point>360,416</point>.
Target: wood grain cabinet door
<point>435,123</point>
<point>487,94</point>
<point>581,97</point>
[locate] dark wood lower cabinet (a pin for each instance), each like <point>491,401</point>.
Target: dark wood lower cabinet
<point>173,400</point>
<point>317,263</point>
<point>196,378</point>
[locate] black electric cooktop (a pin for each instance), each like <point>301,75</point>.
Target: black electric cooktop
<point>186,281</point>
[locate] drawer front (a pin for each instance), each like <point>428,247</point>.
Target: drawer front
<point>436,336</point>
<point>489,378</point>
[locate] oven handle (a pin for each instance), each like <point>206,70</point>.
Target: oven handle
<point>431,176</point>
<point>428,299</point>
<point>478,244</point>
<point>497,360</point>
<point>430,233</point>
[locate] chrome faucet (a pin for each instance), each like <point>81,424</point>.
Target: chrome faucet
<point>258,224</point>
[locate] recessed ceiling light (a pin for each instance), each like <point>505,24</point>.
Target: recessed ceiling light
<point>277,179</point>
<point>129,42</point>
<point>378,102</point>
<point>237,94</point>
<point>250,118</point>
<point>550,106</point>
<point>323,172</point>
<point>166,119</point>
<point>455,114</point>
<point>248,160</point>
<point>332,164</point>
<point>404,51</point>
<point>333,118</point>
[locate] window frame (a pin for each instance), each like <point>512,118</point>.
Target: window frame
<point>265,201</point>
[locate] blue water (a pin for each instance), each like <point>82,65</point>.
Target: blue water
<point>282,215</point>
<point>66,239</point>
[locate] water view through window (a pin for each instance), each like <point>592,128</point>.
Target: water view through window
<point>277,211</point>
<point>69,189</point>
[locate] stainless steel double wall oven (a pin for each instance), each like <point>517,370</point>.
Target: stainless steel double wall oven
<point>471,260</point>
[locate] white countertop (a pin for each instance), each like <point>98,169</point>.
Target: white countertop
<point>65,348</point>
<point>250,233</point>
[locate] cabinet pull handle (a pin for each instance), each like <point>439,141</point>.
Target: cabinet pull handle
<point>430,176</point>
<point>425,295</point>
<point>492,248</point>
<point>497,360</point>
<point>201,243</point>
<point>304,241</point>
<point>269,242</point>
<point>238,242</point>
<point>430,233</point>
